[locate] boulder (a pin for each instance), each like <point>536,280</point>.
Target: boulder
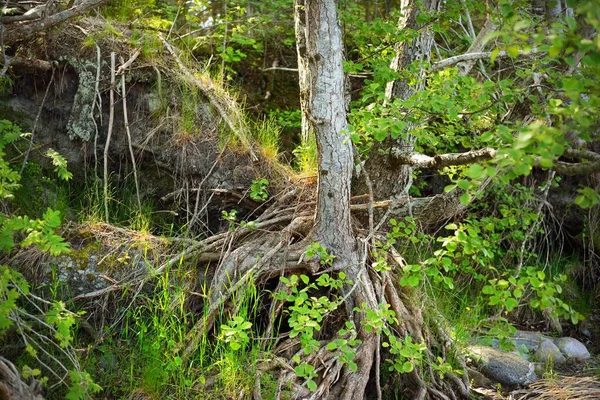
<point>572,348</point>
<point>549,353</point>
<point>502,367</point>
<point>531,340</point>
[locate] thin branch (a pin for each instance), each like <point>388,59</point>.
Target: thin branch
<point>581,168</point>
<point>27,63</point>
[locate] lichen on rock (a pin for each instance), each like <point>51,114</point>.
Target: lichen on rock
<point>81,121</point>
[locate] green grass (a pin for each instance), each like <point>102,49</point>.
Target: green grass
<point>307,157</point>
<point>146,351</point>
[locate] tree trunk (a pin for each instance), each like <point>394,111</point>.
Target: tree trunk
<point>392,179</point>
<point>324,109</point>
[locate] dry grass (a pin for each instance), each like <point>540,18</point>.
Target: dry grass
<point>561,388</point>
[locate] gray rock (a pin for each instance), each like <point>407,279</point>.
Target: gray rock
<point>531,340</point>
<point>505,368</point>
<point>549,353</point>
<point>572,348</point>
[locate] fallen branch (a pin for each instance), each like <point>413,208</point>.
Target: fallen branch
<point>20,32</point>
<point>123,67</point>
<point>419,160</point>
<point>27,63</point>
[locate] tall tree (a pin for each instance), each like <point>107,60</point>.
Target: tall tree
<point>323,106</point>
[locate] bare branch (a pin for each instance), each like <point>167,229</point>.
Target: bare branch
<point>475,56</point>
<point>27,63</point>
<point>17,32</point>
<point>419,160</point>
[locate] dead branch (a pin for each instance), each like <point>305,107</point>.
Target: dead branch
<point>475,56</point>
<point>419,160</point>
<point>26,63</point>
<point>123,67</point>
<point>24,31</point>
<point>111,119</point>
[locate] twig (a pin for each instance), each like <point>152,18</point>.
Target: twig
<point>124,65</point>
<point>111,119</point>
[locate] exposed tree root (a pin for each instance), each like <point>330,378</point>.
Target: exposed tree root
<point>276,248</point>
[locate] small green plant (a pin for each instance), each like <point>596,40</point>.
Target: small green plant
<point>407,354</point>
<point>230,217</point>
<point>377,320</point>
<point>53,335</point>
<point>235,332</point>
<point>258,190</point>
<point>306,314</point>
<point>345,345</point>
<point>315,249</point>
<point>306,371</point>
<point>60,164</point>
<point>82,386</point>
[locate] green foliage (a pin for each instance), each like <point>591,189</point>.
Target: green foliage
<point>266,133</point>
<point>307,156</point>
<point>258,190</point>
<point>60,164</point>
<point>235,333</point>
<point>9,178</point>
<point>307,312</point>
<point>12,286</point>
<point>82,386</point>
<point>377,320</point>
<point>306,371</point>
<point>56,323</point>
<point>315,249</point>
<point>407,355</point>
<point>587,197</point>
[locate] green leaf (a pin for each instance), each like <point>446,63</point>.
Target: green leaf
<point>494,54</point>
<point>475,171</point>
<point>510,304</point>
